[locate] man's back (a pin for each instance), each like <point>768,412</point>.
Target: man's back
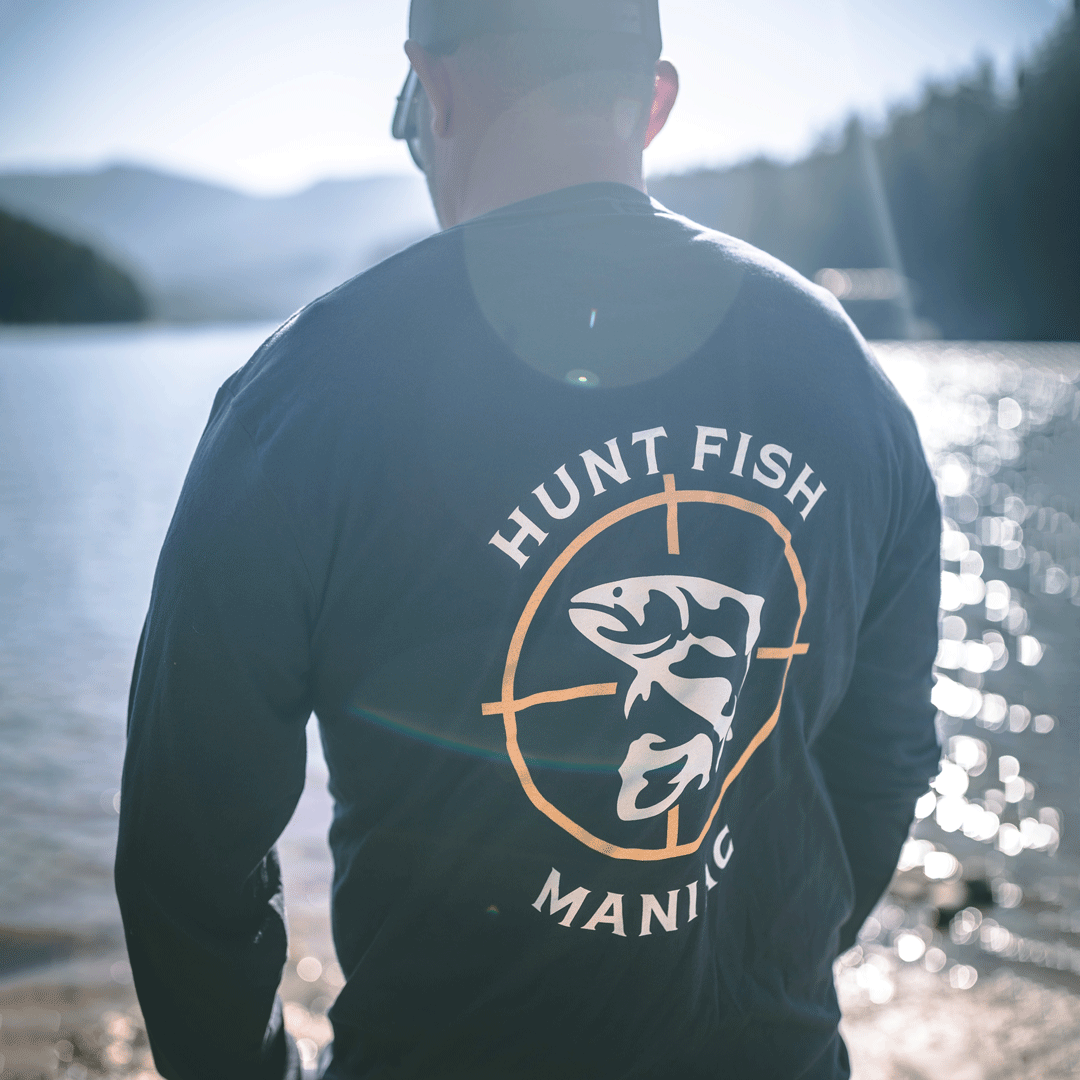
<point>606,558</point>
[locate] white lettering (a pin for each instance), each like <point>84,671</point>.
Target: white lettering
<point>610,912</point>
<point>649,439</point>
<point>513,547</point>
<point>572,900</point>
<point>650,906</point>
<point>596,464</point>
<point>721,857</point>
<point>800,488</point>
<point>705,447</point>
<point>769,454</point>
<point>740,454</point>
<point>556,512</point>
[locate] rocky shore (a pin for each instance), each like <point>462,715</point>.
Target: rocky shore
<point>1005,1027</point>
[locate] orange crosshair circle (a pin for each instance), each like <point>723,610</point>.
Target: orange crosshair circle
<point>669,499</point>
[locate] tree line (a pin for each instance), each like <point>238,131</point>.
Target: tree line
<point>973,195</point>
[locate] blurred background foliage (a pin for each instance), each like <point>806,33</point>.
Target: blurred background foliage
<point>45,278</point>
<point>983,191</point>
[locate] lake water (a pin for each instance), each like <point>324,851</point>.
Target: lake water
<point>96,431</point>
<point>97,428</point>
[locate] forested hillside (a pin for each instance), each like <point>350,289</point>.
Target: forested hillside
<point>45,278</point>
<point>975,195</point>
<point>208,253</point>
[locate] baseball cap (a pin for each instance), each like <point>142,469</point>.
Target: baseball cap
<point>624,33</point>
<point>442,25</point>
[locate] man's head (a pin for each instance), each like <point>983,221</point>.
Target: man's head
<point>513,98</point>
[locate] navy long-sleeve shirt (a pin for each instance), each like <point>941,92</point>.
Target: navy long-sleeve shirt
<point>607,559</point>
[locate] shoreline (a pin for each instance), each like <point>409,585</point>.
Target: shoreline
<point>74,1021</point>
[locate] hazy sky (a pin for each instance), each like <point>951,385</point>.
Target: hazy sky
<point>272,94</point>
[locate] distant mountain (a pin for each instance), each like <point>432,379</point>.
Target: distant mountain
<point>45,278</point>
<point>210,253</point>
<point>961,217</point>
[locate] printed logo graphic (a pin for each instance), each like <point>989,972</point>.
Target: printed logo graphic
<point>711,698</point>
<point>687,647</point>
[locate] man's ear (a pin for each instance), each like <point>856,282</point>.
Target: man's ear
<point>667,90</point>
<point>433,77</point>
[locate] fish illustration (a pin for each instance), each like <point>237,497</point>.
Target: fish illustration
<point>653,660</point>
<point>641,759</point>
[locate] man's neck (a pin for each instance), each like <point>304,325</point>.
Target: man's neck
<point>534,152</point>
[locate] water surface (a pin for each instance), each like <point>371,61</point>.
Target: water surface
<point>97,428</point>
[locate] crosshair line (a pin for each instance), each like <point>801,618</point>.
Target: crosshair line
<point>672,841</point>
<point>671,497</point>
<point>800,648</point>
<point>546,697</point>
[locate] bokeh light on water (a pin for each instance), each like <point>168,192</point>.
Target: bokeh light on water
<point>990,874</point>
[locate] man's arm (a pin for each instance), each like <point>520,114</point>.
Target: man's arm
<point>214,768</point>
<point>880,748</point>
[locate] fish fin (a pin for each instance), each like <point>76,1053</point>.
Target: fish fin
<point>641,687</point>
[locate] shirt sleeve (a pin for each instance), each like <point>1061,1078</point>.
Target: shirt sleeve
<point>880,748</point>
<point>214,768</point>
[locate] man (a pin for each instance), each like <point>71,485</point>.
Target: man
<point>607,559</point>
